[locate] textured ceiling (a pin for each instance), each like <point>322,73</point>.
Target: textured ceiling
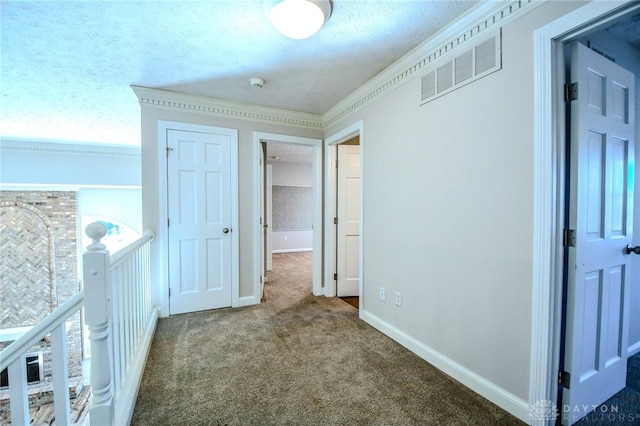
<point>66,67</point>
<point>289,153</point>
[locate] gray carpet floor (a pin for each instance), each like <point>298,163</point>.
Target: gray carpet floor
<point>295,359</point>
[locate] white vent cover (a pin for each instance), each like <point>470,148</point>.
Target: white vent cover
<point>482,59</point>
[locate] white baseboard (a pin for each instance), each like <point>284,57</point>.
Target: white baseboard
<point>503,399</point>
<point>292,250</point>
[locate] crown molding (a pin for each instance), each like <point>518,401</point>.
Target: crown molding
<point>16,144</point>
<point>175,101</point>
<point>487,16</point>
<point>61,187</point>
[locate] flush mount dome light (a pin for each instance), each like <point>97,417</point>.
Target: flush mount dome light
<point>298,19</point>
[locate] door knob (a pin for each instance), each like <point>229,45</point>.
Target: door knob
<point>630,249</point>
<point>226,230</point>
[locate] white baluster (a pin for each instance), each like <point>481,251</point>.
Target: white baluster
<point>19,400</point>
<point>116,283</point>
<point>97,282</point>
<point>60,368</point>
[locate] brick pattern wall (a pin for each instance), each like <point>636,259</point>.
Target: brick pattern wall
<point>28,287</point>
<point>39,264</point>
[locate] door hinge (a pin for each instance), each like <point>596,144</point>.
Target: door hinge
<point>564,379</point>
<point>169,291</point>
<point>570,92</point>
<point>335,220</point>
<point>569,238</point>
<point>335,277</point>
<point>169,150</point>
<point>167,222</point>
<point>335,164</point>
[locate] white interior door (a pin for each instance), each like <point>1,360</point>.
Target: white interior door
<point>269,217</point>
<point>199,198</point>
<point>601,203</point>
<point>348,229</point>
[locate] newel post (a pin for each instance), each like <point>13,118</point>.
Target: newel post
<point>97,306</point>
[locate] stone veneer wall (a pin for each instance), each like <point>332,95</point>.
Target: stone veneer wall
<point>39,265</point>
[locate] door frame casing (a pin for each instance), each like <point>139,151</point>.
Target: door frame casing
<point>316,144</point>
<point>331,184</point>
<point>549,187</point>
<point>163,206</point>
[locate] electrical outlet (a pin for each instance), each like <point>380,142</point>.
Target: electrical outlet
<point>382,295</point>
<point>398,298</point>
<point>284,237</point>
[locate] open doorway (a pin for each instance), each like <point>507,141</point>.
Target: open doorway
<point>552,207</point>
<point>288,214</point>
<point>288,208</point>
<point>343,215</point>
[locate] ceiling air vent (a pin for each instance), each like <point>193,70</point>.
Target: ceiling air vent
<point>470,65</point>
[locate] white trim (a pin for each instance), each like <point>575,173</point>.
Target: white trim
<point>162,291</point>
<point>235,217</point>
<point>487,15</point>
<point>17,144</point>
<point>547,264</point>
<point>298,250</point>
<point>316,144</point>
<point>330,185</point>
<point>330,211</point>
<point>473,381</point>
<point>59,187</point>
<point>174,101</point>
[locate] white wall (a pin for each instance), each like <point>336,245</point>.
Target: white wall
<point>121,204</point>
<point>292,174</point>
<point>292,241</point>
<point>38,163</point>
<point>106,178</point>
<point>448,217</point>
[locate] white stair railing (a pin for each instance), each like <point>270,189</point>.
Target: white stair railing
<point>13,358</point>
<point>121,321</point>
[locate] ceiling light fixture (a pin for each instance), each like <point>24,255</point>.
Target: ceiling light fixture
<point>298,19</point>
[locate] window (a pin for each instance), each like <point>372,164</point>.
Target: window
<point>33,365</point>
<point>118,235</point>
